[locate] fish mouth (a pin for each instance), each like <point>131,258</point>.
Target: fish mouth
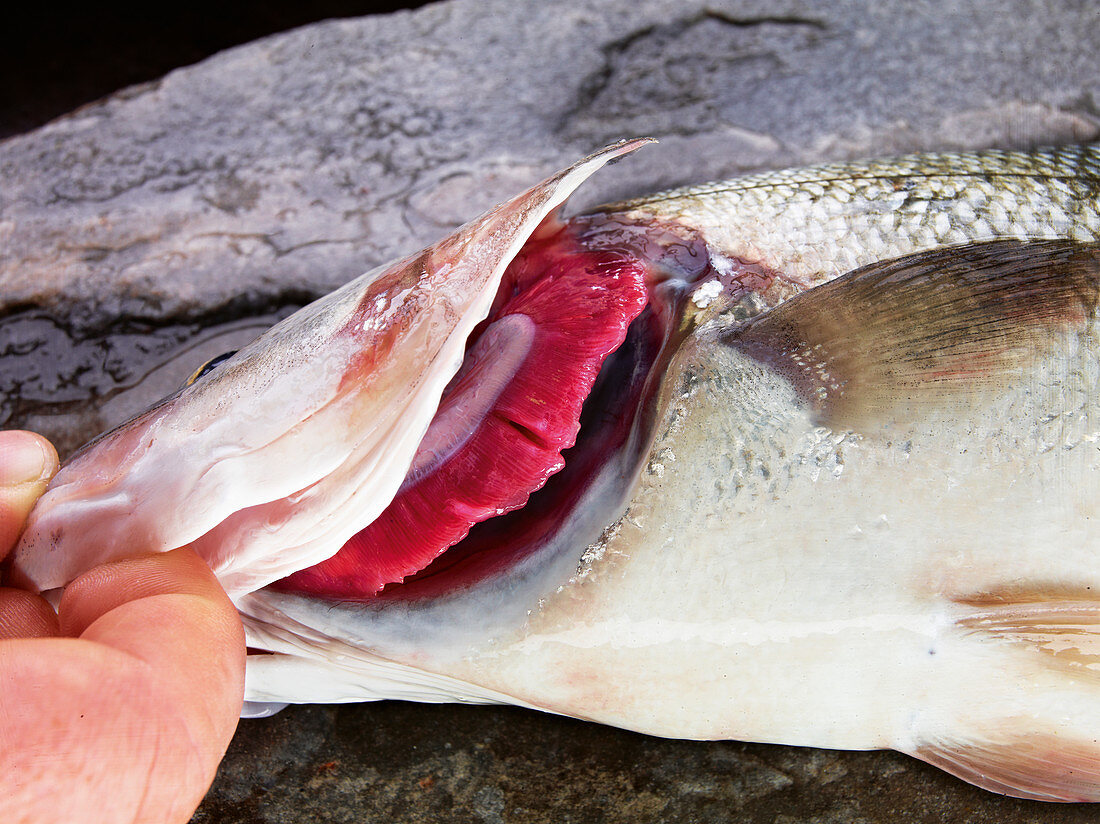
<point>614,425</point>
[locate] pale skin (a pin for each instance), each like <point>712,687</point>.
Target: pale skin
<point>118,707</point>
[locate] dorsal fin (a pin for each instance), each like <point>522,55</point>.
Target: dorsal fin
<point>929,329</point>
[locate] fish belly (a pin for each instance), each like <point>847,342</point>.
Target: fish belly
<point>820,587</point>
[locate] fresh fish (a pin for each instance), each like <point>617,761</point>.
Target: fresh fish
<point>838,484</point>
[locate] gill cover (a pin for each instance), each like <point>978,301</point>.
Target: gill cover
<point>271,462</point>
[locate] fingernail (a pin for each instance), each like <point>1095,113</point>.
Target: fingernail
<point>24,458</point>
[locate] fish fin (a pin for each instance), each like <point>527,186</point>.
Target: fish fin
<point>321,676</point>
<point>1042,747</point>
<point>935,329</point>
<point>262,709</point>
<point>1041,767</point>
<point>1061,624</point>
<point>296,664</point>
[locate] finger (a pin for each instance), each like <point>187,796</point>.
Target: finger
<point>140,709</point>
<point>105,587</point>
<point>169,611</point>
<point>25,615</point>
<point>27,462</point>
<point>89,733</point>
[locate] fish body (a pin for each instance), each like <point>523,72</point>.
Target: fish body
<point>837,487</point>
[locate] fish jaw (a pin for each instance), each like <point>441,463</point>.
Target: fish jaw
<point>342,391</point>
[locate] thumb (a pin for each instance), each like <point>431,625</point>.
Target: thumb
<point>27,462</point>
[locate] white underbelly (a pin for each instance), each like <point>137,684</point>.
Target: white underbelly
<point>777,581</point>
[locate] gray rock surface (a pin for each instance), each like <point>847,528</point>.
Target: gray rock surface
<point>301,160</point>
<point>145,233</point>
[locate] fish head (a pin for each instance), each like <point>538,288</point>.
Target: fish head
<point>270,462</point>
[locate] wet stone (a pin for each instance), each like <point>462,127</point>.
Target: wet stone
<point>71,383</point>
<point>423,763</point>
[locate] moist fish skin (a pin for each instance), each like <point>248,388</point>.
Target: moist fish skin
<point>857,505</point>
<point>812,224</point>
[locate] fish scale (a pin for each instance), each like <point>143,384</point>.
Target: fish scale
<point>814,223</point>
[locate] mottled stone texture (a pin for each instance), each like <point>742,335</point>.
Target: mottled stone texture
<point>462,765</point>
<point>303,159</point>
<point>139,235</point>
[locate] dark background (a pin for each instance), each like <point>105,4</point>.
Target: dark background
<point>55,59</point>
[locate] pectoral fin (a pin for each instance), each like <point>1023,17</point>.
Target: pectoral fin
<point>933,329</point>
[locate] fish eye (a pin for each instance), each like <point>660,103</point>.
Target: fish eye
<point>209,366</point>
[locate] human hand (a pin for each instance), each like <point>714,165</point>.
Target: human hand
<point>120,706</point>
